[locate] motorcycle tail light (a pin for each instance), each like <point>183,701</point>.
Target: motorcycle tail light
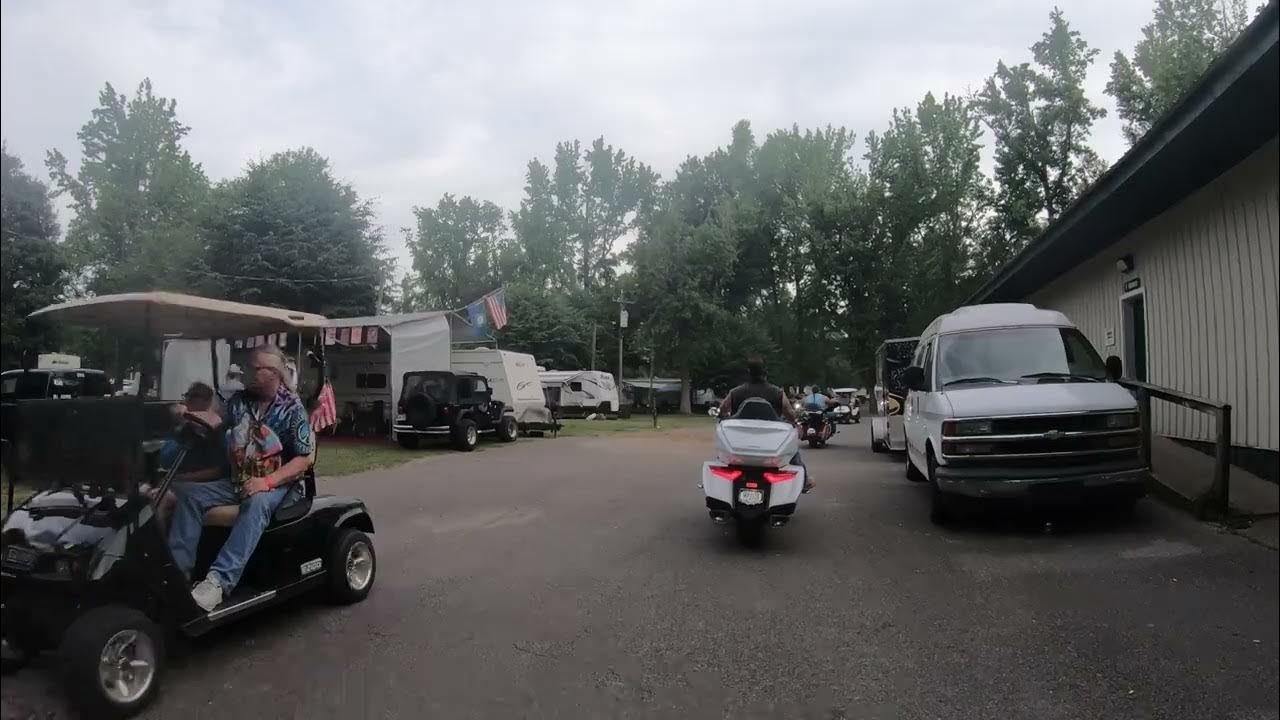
<point>727,473</point>
<point>781,476</point>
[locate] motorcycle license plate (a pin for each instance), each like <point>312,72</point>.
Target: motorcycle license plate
<point>750,497</point>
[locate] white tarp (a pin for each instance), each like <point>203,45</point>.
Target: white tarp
<point>188,361</point>
<point>419,341</point>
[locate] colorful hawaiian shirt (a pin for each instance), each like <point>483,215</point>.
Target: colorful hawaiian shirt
<point>259,445</point>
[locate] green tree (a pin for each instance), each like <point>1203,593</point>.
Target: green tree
<point>32,271</point>
<point>548,325</point>
<point>1041,119</point>
<point>1177,46</point>
<point>287,233</point>
<point>136,196</point>
<point>599,196</point>
<point>545,245</point>
<point>458,249</point>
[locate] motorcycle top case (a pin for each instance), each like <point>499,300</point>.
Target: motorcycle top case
<point>756,443</point>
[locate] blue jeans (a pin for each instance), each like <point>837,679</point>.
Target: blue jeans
<point>188,521</point>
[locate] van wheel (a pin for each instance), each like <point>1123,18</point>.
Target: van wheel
<point>940,510</point>
<point>112,658</point>
<point>508,429</point>
<point>352,567</point>
<point>408,442</point>
<point>913,473</point>
<point>465,435</point>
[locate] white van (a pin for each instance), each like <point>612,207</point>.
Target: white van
<point>513,377</point>
<point>1011,401</point>
<point>582,392</point>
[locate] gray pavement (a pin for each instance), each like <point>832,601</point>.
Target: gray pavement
<point>581,578</point>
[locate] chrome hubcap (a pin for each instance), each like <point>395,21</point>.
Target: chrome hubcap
<point>471,436</point>
<point>359,566</point>
<point>127,666</point>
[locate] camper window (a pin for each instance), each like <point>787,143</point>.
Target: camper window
<point>371,381</point>
<point>575,386</point>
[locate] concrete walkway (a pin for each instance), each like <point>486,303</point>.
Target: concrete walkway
<point>1189,474</point>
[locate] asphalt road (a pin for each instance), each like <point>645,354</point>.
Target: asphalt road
<point>581,578</point>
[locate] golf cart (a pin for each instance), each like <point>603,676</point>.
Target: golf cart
<point>86,569</point>
<point>459,406</point>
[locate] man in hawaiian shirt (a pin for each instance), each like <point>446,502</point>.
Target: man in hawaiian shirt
<point>270,443</point>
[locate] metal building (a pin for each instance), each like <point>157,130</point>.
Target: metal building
<point>1169,261</point>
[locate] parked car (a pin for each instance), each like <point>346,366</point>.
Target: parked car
<point>87,570</point>
<point>43,383</point>
<point>459,406</point>
<point>1011,401</point>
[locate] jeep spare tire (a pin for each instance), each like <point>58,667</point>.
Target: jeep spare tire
<point>421,411</point>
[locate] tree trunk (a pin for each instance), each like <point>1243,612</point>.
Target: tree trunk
<point>686,402</point>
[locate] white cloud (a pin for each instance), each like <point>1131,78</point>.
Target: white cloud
<point>411,100</point>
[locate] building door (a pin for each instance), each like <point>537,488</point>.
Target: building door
<point>1134,311</point>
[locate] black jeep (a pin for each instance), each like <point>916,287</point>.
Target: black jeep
<point>457,405</point>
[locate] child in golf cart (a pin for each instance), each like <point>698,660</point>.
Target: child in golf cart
<point>206,462</point>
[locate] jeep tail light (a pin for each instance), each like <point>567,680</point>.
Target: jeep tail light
<point>727,473</point>
<point>780,476</point>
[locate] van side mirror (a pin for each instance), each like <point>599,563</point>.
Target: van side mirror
<point>1115,368</point>
<point>913,377</point>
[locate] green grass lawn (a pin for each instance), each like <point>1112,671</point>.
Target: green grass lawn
<point>635,423</point>
<point>347,458</point>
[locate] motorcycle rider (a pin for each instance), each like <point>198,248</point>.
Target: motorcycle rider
<point>757,386</point>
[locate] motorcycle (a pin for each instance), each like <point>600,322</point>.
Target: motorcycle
<point>752,482</point>
<point>817,427</point>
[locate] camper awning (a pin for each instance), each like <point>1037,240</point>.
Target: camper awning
<point>419,341</point>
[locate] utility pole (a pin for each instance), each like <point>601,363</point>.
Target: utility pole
<point>653,396</point>
<point>622,325</point>
<point>593,346</point>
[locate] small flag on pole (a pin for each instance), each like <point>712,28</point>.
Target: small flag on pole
<point>356,335</point>
<point>496,303</point>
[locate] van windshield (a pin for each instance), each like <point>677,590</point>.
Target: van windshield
<point>1033,354</point>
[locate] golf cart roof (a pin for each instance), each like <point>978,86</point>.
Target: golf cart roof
<point>165,314</point>
<point>846,391</point>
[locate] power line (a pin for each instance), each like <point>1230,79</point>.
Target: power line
<point>292,281</point>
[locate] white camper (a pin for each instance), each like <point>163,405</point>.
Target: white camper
<point>513,377</point>
<point>582,392</point>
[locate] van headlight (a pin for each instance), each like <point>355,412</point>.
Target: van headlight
<point>1122,421</point>
<point>966,428</point>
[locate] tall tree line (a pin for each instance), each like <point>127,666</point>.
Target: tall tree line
<point>806,245</point>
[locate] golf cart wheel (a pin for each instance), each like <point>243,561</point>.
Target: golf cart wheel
<point>112,658</point>
<point>408,442</point>
<point>465,435</point>
<point>352,567</point>
<point>508,430</point>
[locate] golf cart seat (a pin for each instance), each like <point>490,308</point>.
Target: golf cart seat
<point>226,515</point>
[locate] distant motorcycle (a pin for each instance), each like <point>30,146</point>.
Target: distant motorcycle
<point>817,427</point>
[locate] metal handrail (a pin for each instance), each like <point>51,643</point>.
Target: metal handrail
<point>1216,501</point>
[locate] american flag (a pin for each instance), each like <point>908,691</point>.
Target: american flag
<point>496,303</point>
<point>326,413</point>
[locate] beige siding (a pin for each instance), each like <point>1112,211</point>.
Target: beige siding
<point>1209,269</point>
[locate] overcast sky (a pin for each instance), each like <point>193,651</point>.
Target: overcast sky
<point>414,99</point>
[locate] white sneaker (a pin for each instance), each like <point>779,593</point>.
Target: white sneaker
<point>207,594</point>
